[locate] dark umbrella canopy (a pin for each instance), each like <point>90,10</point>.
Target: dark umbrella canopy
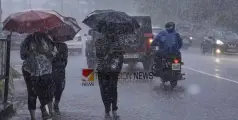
<point>111,20</point>
<point>67,31</point>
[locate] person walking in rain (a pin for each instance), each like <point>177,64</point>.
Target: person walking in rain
<point>109,64</point>
<point>59,64</point>
<point>37,51</point>
<point>24,53</point>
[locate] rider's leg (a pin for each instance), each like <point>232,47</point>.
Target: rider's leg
<point>158,61</point>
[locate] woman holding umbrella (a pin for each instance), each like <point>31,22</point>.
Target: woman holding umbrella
<point>59,35</point>
<point>39,53</point>
<point>109,52</point>
<point>59,64</point>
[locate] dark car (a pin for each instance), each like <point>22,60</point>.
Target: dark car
<point>186,33</point>
<point>137,46</point>
<point>220,42</point>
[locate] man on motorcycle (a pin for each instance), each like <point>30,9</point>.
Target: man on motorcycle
<point>169,42</point>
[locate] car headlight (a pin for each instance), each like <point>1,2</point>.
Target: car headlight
<point>219,42</point>
<point>190,38</point>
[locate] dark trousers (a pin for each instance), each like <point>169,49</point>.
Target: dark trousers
<point>59,79</point>
<point>44,88</point>
<point>108,88</point>
<point>30,90</point>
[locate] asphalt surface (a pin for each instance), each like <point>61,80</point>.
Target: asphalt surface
<point>208,93</point>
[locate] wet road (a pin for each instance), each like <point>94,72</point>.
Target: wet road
<point>208,93</point>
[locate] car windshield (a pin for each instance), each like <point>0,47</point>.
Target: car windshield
<point>230,35</point>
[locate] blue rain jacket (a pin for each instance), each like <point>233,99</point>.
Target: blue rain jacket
<point>168,42</point>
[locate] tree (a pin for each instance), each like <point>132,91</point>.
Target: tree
<point>216,12</point>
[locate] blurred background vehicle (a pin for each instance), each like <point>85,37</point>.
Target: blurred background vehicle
<point>156,30</point>
<point>137,46</point>
<point>186,32</point>
<point>75,45</point>
<point>90,51</point>
<point>220,41</point>
<point>17,40</point>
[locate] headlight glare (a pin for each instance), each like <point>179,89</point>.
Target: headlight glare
<point>219,42</point>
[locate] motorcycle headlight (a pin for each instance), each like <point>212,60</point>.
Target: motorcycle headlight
<point>190,38</point>
<point>219,42</point>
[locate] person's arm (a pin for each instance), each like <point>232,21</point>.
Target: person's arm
<point>65,54</point>
<point>156,40</point>
<point>180,41</point>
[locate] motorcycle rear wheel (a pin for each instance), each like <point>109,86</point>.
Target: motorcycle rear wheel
<point>173,83</point>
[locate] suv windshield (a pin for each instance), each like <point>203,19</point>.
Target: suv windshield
<point>230,35</point>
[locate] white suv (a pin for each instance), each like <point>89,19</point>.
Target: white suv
<point>75,45</point>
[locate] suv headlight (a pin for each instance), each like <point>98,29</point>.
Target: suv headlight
<point>219,42</point>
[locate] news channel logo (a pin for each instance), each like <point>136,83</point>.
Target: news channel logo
<point>89,76</point>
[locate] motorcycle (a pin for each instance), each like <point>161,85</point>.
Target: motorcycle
<point>171,69</point>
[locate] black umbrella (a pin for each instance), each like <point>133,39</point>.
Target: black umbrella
<point>67,31</point>
<point>111,21</point>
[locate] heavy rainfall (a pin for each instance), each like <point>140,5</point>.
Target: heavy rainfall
<point>119,59</point>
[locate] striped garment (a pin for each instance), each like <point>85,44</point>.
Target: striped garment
<point>109,54</point>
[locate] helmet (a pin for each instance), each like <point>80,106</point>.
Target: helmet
<point>170,26</point>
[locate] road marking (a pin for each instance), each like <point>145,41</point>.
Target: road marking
<point>199,71</point>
